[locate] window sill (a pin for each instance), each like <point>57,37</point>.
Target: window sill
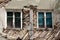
<point>48,29</point>
<point>14,28</point>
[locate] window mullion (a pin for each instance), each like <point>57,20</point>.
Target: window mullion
<point>45,19</point>
<point>13,20</point>
<point>21,20</point>
<point>37,21</point>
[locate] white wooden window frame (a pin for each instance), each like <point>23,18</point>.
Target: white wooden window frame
<point>13,19</point>
<point>45,20</point>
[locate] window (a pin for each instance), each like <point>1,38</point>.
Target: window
<point>14,19</point>
<point>48,19</point>
<point>10,19</point>
<point>44,19</point>
<point>17,19</point>
<point>41,19</point>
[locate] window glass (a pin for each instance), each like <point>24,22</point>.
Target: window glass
<point>49,19</point>
<point>17,19</point>
<point>10,14</point>
<point>41,19</point>
<point>10,19</point>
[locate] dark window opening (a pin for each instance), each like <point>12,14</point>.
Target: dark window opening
<point>16,19</point>
<point>10,19</point>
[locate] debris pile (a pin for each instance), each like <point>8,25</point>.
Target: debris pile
<point>14,34</point>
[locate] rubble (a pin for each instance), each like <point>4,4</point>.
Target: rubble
<point>14,34</point>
